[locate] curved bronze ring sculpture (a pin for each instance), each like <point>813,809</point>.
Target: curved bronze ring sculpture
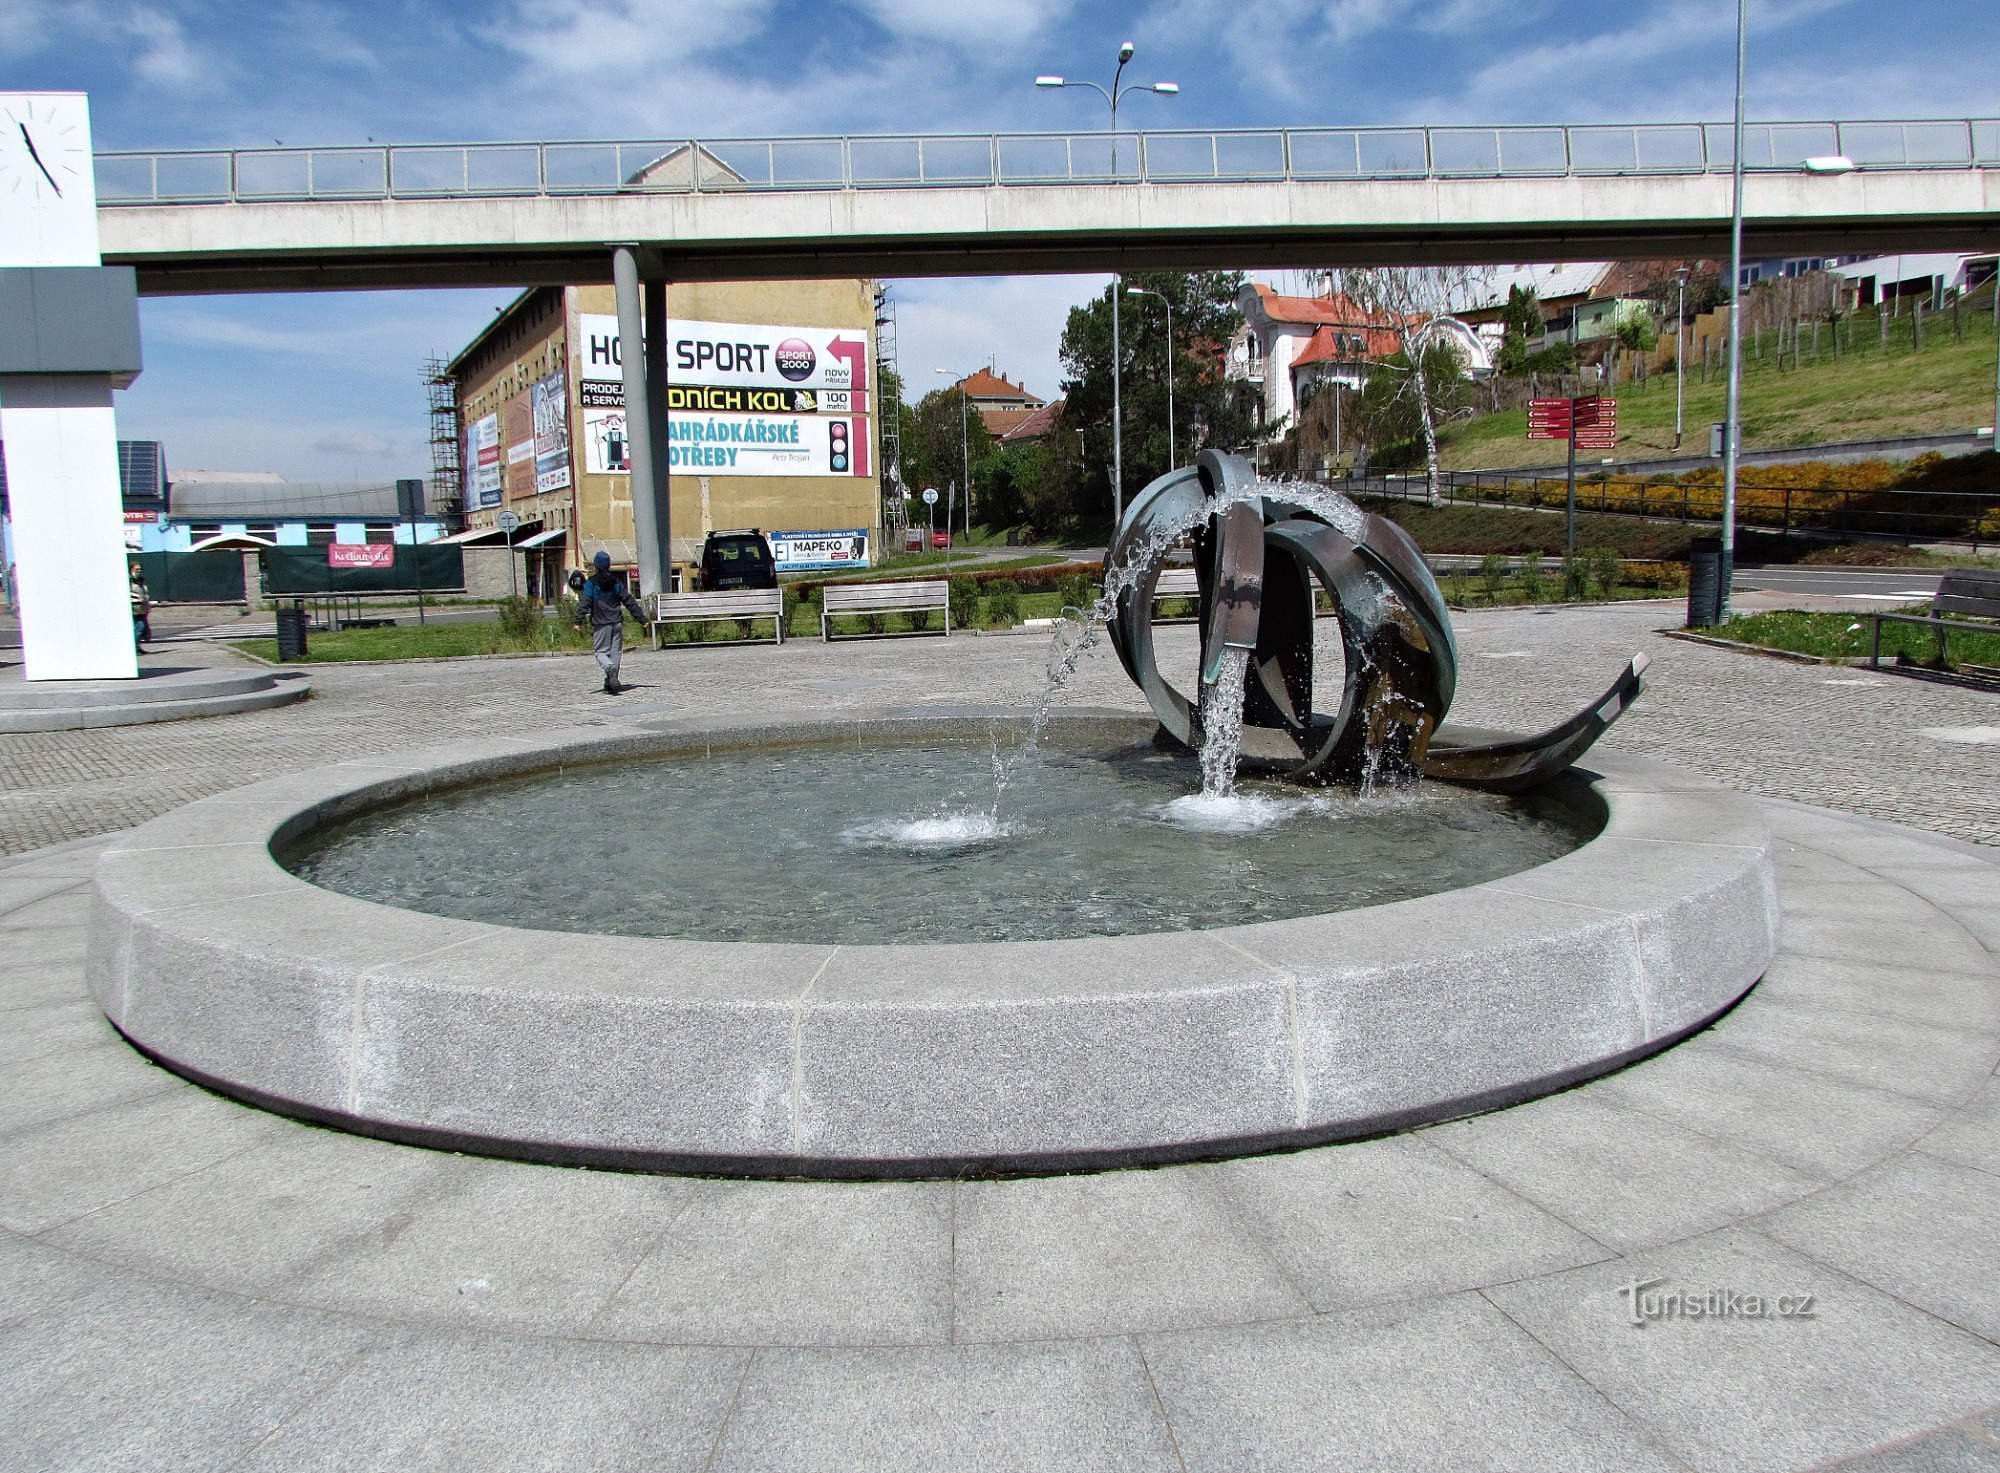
<point>1261,562</point>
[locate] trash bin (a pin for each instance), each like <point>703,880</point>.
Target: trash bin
<point>292,631</point>
<point>1704,583</point>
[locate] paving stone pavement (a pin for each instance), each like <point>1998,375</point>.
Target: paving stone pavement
<point>187,1282</point>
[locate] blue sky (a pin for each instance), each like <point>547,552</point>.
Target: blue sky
<point>328,386</point>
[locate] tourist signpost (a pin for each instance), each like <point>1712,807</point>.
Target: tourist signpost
<point>1589,421</point>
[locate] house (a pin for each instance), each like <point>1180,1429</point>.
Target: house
<point>1000,405</point>
<point>1287,342</point>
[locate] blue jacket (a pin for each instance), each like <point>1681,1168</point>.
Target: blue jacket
<point>602,601</point>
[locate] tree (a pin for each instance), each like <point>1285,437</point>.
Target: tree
<point>1406,298</point>
<point>1632,325</point>
<point>1206,412</point>
<point>1391,411</point>
<point>1521,326</point>
<point>940,430</point>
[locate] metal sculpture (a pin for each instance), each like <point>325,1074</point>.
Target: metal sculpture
<point>1264,557</point>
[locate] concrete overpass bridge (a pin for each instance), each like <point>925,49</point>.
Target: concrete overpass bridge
<point>518,214</point>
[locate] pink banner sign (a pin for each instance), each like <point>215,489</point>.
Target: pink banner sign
<point>360,555</point>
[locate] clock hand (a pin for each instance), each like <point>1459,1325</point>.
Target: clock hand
<point>25,138</point>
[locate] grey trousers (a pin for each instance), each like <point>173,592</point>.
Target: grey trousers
<point>607,642</point>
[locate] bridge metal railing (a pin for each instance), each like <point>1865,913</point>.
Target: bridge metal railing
<point>961,160</point>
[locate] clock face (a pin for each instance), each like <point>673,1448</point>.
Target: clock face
<point>48,185</point>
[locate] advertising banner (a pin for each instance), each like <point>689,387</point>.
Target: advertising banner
<point>768,445</point>
<point>804,552</point>
<point>735,355</point>
<point>361,554</point>
<point>551,414</point>
<point>485,460</point>
<point>604,443</point>
<point>721,399</point>
<point>517,433</point>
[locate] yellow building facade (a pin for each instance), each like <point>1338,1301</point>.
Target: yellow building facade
<point>772,420</point>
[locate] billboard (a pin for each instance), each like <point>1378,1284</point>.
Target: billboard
<point>767,445</point>
<point>483,441</point>
<point>517,433</point>
<point>360,555</point>
<point>550,406</point>
<point>803,552</point>
<point>734,355</point>
<point>604,443</point>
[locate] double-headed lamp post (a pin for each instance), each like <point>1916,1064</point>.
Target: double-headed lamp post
<point>964,449</point>
<point>1112,94</point>
<point>1139,291</point>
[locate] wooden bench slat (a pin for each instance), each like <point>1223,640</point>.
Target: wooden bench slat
<point>717,605</point>
<point>848,599</point>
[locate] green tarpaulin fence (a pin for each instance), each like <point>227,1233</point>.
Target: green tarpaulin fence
<point>191,577</point>
<point>297,571</point>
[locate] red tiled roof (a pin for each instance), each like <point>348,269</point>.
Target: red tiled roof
<point>1036,424</point>
<point>1325,346</point>
<point>999,421</point>
<point>985,384</point>
<point>1333,311</point>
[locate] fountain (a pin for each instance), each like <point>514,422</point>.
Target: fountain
<point>1120,974</point>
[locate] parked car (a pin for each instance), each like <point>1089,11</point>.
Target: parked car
<point>940,539</point>
<point>739,559</point>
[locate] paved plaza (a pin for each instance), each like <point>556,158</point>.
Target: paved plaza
<point>1770,1247</point>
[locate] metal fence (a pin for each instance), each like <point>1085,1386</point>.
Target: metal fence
<point>899,161</point>
<point>1889,515</point>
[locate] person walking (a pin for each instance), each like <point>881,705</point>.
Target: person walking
<point>601,604</point>
<point>142,610</point>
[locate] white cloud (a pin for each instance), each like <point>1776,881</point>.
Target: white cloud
<point>347,441</point>
<point>605,39</point>
<point>164,53</point>
<point>992,26</point>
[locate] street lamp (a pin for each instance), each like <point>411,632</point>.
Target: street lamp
<point>1112,95</point>
<point>965,450</point>
<point>1138,291</point>
<point>1730,434</point>
<point>1680,349</point>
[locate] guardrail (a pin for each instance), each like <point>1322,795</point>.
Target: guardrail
<point>1892,515</point>
<point>903,161</point>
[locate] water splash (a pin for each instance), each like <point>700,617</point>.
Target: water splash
<point>940,833</point>
<point>1222,724</point>
<point>1231,813</point>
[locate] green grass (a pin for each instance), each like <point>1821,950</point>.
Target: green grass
<point>429,642</point>
<point>901,564</point>
<point>1865,393</point>
<point>1848,636</point>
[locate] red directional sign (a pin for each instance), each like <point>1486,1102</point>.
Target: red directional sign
<point>1548,419</point>
<point>1592,420</point>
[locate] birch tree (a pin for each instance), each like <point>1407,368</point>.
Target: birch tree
<point>1407,299</point>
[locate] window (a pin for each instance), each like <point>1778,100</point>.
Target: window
<point>199,530</point>
<point>266,530</point>
<point>319,534</point>
<point>380,535</point>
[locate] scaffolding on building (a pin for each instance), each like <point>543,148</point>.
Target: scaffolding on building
<point>888,414</point>
<point>447,488</point>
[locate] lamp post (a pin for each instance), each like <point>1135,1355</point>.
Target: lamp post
<point>1139,291</point>
<point>1730,434</point>
<point>1112,95</point>
<point>1680,349</point>
<point>964,450</point>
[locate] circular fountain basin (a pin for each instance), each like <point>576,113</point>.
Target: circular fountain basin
<point>827,1055</point>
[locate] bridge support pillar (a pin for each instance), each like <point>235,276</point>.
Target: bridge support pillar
<point>642,320</point>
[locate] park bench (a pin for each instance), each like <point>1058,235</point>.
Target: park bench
<point>1971,593</point>
<point>921,597</point>
<point>734,604</point>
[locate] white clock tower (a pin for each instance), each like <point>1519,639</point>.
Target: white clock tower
<point>69,330</point>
